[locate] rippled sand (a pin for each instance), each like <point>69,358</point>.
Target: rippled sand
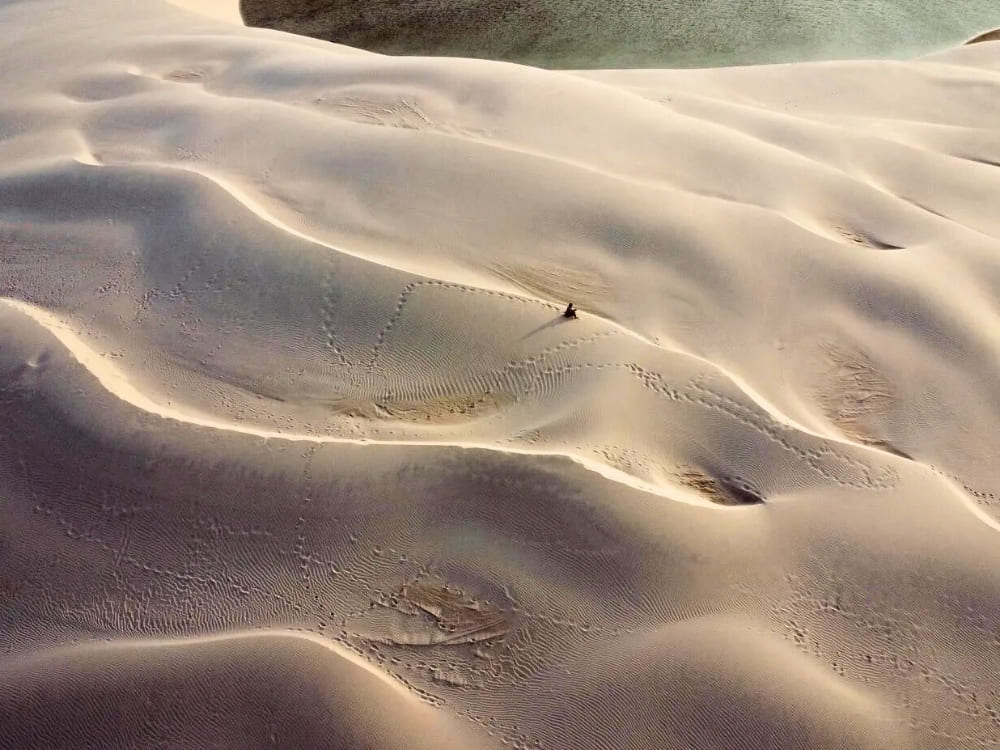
<point>298,450</point>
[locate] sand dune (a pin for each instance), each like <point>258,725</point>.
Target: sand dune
<point>244,690</point>
<point>298,449</point>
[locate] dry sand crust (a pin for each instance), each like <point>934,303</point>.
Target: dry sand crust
<point>297,450</point>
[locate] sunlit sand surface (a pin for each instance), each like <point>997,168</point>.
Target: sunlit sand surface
<point>298,449</point>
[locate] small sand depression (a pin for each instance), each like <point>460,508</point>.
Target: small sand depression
<point>429,612</point>
<point>463,618</point>
<point>404,113</point>
<point>856,397</point>
<point>396,114</point>
<point>438,410</point>
<point>185,75</point>
<point>863,239</point>
<point>455,407</point>
<point>718,491</point>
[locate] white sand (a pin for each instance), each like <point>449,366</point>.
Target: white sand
<point>282,366</point>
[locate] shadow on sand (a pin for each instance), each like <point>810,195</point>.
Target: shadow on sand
<point>543,326</point>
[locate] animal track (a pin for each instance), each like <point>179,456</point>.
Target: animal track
<point>413,286</point>
<point>328,318</point>
<point>528,377</point>
<point>985,498</point>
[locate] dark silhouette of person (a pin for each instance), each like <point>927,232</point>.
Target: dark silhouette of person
<point>570,311</point>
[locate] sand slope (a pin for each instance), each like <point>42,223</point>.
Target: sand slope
<point>288,401</point>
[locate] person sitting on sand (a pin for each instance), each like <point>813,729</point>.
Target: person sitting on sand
<point>570,311</point>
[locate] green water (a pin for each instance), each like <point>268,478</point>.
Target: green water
<point>635,33</point>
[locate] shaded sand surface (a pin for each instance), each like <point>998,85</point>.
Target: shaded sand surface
<point>570,34</point>
<point>988,36</point>
<point>298,451</point>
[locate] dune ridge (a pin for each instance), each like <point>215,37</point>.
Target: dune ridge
<point>289,402</point>
<point>992,35</point>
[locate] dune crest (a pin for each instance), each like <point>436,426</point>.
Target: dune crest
<point>987,36</point>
